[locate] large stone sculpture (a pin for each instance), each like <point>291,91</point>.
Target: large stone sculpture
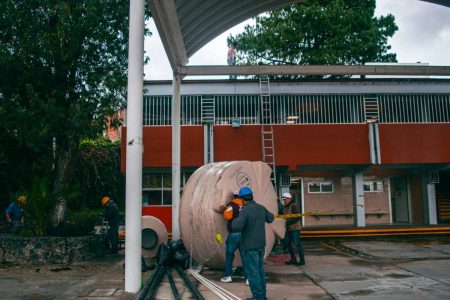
<point>203,228</point>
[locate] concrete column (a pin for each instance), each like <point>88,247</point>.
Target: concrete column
<point>431,197</point>
<point>134,148</point>
<point>358,200</point>
<point>176,153</point>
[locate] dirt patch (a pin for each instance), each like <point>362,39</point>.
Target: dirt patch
<point>393,275</point>
<point>360,293</point>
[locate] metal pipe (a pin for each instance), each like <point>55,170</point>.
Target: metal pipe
<point>151,293</point>
<point>149,283</point>
<point>173,287</point>
<point>134,147</point>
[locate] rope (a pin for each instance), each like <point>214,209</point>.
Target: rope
<point>216,289</point>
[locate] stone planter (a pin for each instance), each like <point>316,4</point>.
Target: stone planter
<point>49,250</point>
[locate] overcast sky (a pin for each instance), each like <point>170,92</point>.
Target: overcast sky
<point>423,36</point>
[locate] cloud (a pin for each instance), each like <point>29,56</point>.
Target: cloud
<point>423,33</point>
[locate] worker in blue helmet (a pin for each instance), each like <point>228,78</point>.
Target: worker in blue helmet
<point>251,221</point>
<point>245,191</point>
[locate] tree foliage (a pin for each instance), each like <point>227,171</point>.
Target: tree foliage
<point>98,173</point>
<point>318,32</point>
<point>63,70</point>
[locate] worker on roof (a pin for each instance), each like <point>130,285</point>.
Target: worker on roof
<point>293,227</point>
<point>230,212</point>
<point>111,214</point>
<point>231,56</point>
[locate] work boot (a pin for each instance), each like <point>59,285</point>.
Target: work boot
<point>291,262</point>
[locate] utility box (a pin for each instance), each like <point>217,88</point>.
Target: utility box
<point>236,123</point>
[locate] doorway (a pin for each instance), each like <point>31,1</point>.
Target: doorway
<point>297,194</point>
<point>400,200</point>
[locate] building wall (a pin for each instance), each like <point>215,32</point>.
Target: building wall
<point>158,146</point>
<point>301,145</point>
<point>414,143</point>
<point>337,206</point>
<point>296,145</point>
<point>242,143</point>
<point>377,203</point>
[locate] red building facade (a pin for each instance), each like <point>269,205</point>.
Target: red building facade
<point>380,146</point>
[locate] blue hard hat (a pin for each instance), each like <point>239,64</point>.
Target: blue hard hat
<point>245,191</point>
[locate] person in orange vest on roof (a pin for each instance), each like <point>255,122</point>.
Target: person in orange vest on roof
<point>293,227</point>
<point>230,212</point>
<point>231,56</point>
<point>111,214</point>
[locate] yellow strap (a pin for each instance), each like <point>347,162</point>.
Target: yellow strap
<point>290,216</point>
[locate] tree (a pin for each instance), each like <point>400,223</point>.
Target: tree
<point>63,70</point>
<point>317,32</point>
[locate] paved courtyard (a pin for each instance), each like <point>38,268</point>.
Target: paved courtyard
<point>395,268</point>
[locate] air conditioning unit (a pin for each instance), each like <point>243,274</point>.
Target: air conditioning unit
<point>433,177</point>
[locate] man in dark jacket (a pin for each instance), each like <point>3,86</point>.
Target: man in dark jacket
<point>251,221</point>
<point>293,227</point>
<point>111,214</point>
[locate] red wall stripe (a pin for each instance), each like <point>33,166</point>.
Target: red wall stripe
<point>414,143</point>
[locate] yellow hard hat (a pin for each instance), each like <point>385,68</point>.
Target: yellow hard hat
<point>22,199</point>
<point>105,200</point>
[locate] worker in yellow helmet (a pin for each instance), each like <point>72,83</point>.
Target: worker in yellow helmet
<point>15,213</point>
<point>111,214</point>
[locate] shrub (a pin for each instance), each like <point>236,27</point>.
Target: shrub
<point>78,223</point>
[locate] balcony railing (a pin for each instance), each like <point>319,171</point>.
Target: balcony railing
<point>305,109</point>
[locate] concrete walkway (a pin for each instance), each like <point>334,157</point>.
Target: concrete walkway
<point>340,269</point>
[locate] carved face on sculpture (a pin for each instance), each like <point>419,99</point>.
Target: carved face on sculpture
<point>203,227</point>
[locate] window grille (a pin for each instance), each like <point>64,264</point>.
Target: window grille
<point>414,108</point>
<point>305,109</point>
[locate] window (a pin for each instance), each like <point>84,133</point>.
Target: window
<point>157,188</point>
<point>373,186</point>
<point>320,187</point>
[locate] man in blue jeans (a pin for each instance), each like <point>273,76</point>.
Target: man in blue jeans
<point>293,227</point>
<point>251,222</point>
<point>231,212</point>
